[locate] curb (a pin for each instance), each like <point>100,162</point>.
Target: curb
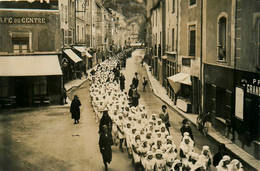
<point>208,135</point>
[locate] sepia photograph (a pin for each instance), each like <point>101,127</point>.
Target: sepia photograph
<point>129,85</point>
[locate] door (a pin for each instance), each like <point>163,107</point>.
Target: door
<point>22,91</point>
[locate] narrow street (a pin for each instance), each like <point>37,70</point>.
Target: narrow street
<point>46,138</point>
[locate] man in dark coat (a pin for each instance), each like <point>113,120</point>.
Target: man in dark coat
<point>75,110</point>
<point>122,82</point>
<point>135,97</point>
<point>105,146</point>
<point>135,80</point>
<point>105,120</point>
<point>186,128</point>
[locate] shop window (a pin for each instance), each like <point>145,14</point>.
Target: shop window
<point>186,62</point>
<point>20,44</point>
<point>222,32</point>
<point>173,5</point>
<point>172,39</point>
<point>4,87</point>
<point>40,85</point>
<point>192,40</point>
<point>193,2</point>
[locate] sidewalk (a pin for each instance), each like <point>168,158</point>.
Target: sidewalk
<point>161,93</point>
<point>76,83</point>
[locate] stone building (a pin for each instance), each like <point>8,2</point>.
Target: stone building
<point>30,47</point>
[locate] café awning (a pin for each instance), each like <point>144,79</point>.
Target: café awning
<point>73,56</point>
<point>178,79</point>
<point>88,55</point>
<point>33,65</point>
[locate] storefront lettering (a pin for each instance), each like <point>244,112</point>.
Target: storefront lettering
<point>252,87</point>
<point>23,20</point>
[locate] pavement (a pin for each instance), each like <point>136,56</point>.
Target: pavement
<point>161,93</point>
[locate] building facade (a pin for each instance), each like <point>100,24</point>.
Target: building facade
<point>30,37</point>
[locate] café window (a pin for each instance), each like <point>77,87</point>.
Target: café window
<point>70,37</point>
<point>20,44</point>
<point>3,87</point>
<point>192,40</point>
<point>40,85</point>
<point>222,38</point>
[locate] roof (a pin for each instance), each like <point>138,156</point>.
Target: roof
<point>33,65</point>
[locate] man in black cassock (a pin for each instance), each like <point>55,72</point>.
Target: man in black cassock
<point>135,80</point>
<point>105,146</point>
<point>122,82</point>
<point>74,109</point>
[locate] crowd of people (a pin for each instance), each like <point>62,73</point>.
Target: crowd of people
<point>146,140</point>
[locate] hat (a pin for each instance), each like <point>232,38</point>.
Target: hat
<point>164,107</point>
<point>149,153</point>
<point>158,151</point>
<point>205,147</point>
<point>225,158</point>
<point>186,134</point>
<point>185,121</point>
<point>75,96</point>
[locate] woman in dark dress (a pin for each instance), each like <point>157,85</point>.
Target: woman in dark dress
<point>105,146</point>
<point>75,110</point>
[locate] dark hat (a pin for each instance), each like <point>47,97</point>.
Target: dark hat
<point>164,106</point>
<point>75,96</point>
<point>185,121</point>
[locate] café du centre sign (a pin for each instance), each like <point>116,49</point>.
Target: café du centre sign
<point>23,20</point>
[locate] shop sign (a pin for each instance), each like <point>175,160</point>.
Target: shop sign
<point>251,86</point>
<point>23,20</point>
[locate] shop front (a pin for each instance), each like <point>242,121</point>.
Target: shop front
<point>181,85</point>
<point>74,65</point>
<point>30,80</point>
<point>219,97</point>
<point>246,121</point>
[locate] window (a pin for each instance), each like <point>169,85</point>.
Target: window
<point>40,85</point>
<point>20,44</point>
<point>192,40</point>
<point>3,87</point>
<point>172,39</point>
<point>77,33</point>
<point>173,5</point>
<point>192,2</point>
<point>70,37</point>
<point>222,23</point>
<point>186,62</point>
<point>66,13</point>
<point>62,12</point>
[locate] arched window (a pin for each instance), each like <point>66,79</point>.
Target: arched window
<point>222,38</point>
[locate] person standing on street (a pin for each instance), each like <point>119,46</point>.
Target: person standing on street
<point>135,80</point>
<point>105,120</point>
<point>186,128</point>
<point>122,82</point>
<point>135,97</point>
<point>144,83</point>
<point>165,117</point>
<point>105,146</point>
<point>75,110</point>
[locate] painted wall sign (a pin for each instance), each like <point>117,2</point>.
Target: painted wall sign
<point>23,20</point>
<point>252,86</point>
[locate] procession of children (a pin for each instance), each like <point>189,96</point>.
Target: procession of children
<point>146,140</point>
